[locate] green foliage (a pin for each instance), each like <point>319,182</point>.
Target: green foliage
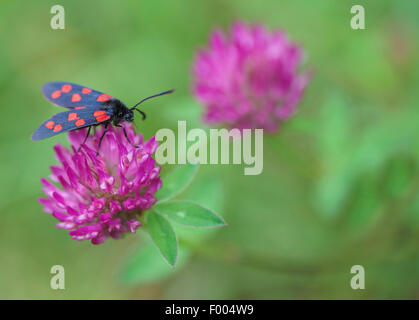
<point>176,182</point>
<point>163,236</point>
<point>146,265</point>
<point>189,214</point>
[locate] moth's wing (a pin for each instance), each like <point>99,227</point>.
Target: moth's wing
<point>72,95</point>
<point>71,120</point>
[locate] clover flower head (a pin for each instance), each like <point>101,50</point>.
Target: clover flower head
<point>102,196</point>
<point>249,79</point>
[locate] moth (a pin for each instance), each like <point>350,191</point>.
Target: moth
<point>87,108</point>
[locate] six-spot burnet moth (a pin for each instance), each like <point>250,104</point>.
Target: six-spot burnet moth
<point>87,108</point>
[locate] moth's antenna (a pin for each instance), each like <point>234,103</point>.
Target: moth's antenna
<point>153,96</point>
<point>142,113</point>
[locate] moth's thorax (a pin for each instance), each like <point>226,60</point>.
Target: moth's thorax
<point>120,112</point>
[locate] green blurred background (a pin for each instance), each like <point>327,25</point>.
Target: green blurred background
<point>339,186</point>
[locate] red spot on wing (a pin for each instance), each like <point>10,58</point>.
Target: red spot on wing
<point>73,116</point>
<point>56,94</point>
<point>80,122</point>
<point>103,97</point>
<point>102,118</point>
<point>57,128</point>
<point>86,90</point>
<point>98,113</point>
<point>50,124</point>
<point>78,108</point>
<point>66,88</point>
<point>76,97</point>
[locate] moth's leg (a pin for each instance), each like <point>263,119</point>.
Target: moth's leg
<point>101,138</point>
<point>126,136</point>
<point>85,139</point>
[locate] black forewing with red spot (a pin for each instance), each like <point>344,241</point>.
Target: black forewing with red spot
<point>71,120</point>
<point>71,95</point>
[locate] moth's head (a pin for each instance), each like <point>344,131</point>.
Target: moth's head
<point>122,113</point>
<point>129,115</point>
